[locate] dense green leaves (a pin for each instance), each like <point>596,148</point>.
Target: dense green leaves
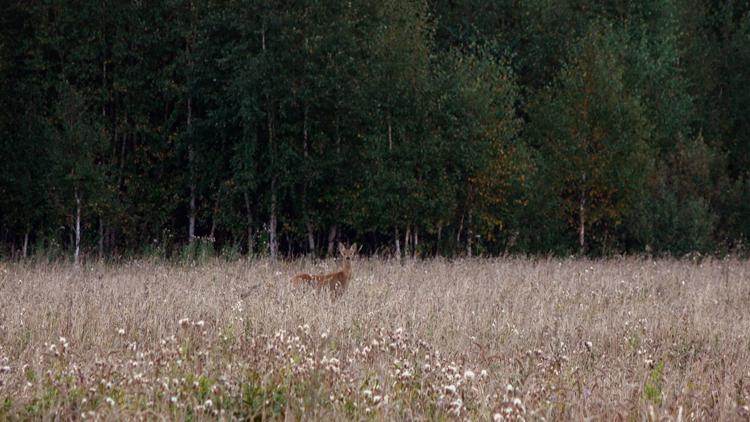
<point>591,134</point>
<point>448,127</point>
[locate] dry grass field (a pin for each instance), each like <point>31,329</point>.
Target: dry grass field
<point>504,339</point>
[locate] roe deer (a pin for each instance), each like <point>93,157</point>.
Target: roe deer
<point>335,282</point>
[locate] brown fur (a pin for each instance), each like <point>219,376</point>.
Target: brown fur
<point>335,282</point>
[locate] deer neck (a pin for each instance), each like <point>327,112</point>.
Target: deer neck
<point>346,269</point>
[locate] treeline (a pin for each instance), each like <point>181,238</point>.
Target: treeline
<point>442,127</point>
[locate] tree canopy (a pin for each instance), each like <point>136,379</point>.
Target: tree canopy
<point>177,127</point>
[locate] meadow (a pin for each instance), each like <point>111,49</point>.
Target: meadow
<point>467,339</point>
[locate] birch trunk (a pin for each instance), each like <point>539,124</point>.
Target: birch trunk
<point>215,216</point>
<point>582,217</point>
<point>460,229</point>
<point>101,238</point>
<point>398,244</point>
<point>331,240</point>
<point>310,238</point>
<point>104,118</point>
<point>390,134</point>
<point>469,236</point>
<point>415,244</point>
<point>308,223</point>
<point>25,244</point>
<point>191,159</point>
<point>250,235</point>
<point>191,150</point>
<point>272,238</point>
<point>112,240</point>
<point>76,255</point>
<point>407,238</point>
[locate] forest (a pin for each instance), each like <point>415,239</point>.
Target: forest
<point>183,128</point>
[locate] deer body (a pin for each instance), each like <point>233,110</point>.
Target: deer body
<point>335,282</point>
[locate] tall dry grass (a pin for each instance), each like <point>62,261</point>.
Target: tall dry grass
<point>468,339</point>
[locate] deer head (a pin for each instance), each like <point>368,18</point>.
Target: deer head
<point>348,253</point>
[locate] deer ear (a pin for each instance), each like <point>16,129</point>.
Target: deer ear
<point>353,248</point>
<point>341,247</point>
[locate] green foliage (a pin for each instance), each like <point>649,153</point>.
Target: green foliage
<point>678,226</point>
<point>652,389</point>
<point>674,215</point>
<point>257,402</point>
<point>503,127</point>
<point>154,250</point>
<point>7,405</point>
<point>590,132</point>
<point>231,252</point>
<point>199,250</point>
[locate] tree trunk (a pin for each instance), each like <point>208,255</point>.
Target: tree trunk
<point>331,240</point>
<point>469,236</point>
<point>390,133</point>
<point>123,145</point>
<point>104,119</point>
<point>310,238</point>
<point>407,238</point>
<point>112,240</point>
<point>250,235</point>
<point>191,170</point>
<point>215,216</point>
<point>582,219</point>
<point>101,238</point>
<point>191,216</point>
<point>272,241</point>
<point>416,243</point>
<point>78,228</point>
<point>189,40</point>
<point>104,85</point>
<point>398,244</point>
<point>308,223</point>
<point>460,229</point>
<point>25,244</point>
<point>120,167</point>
